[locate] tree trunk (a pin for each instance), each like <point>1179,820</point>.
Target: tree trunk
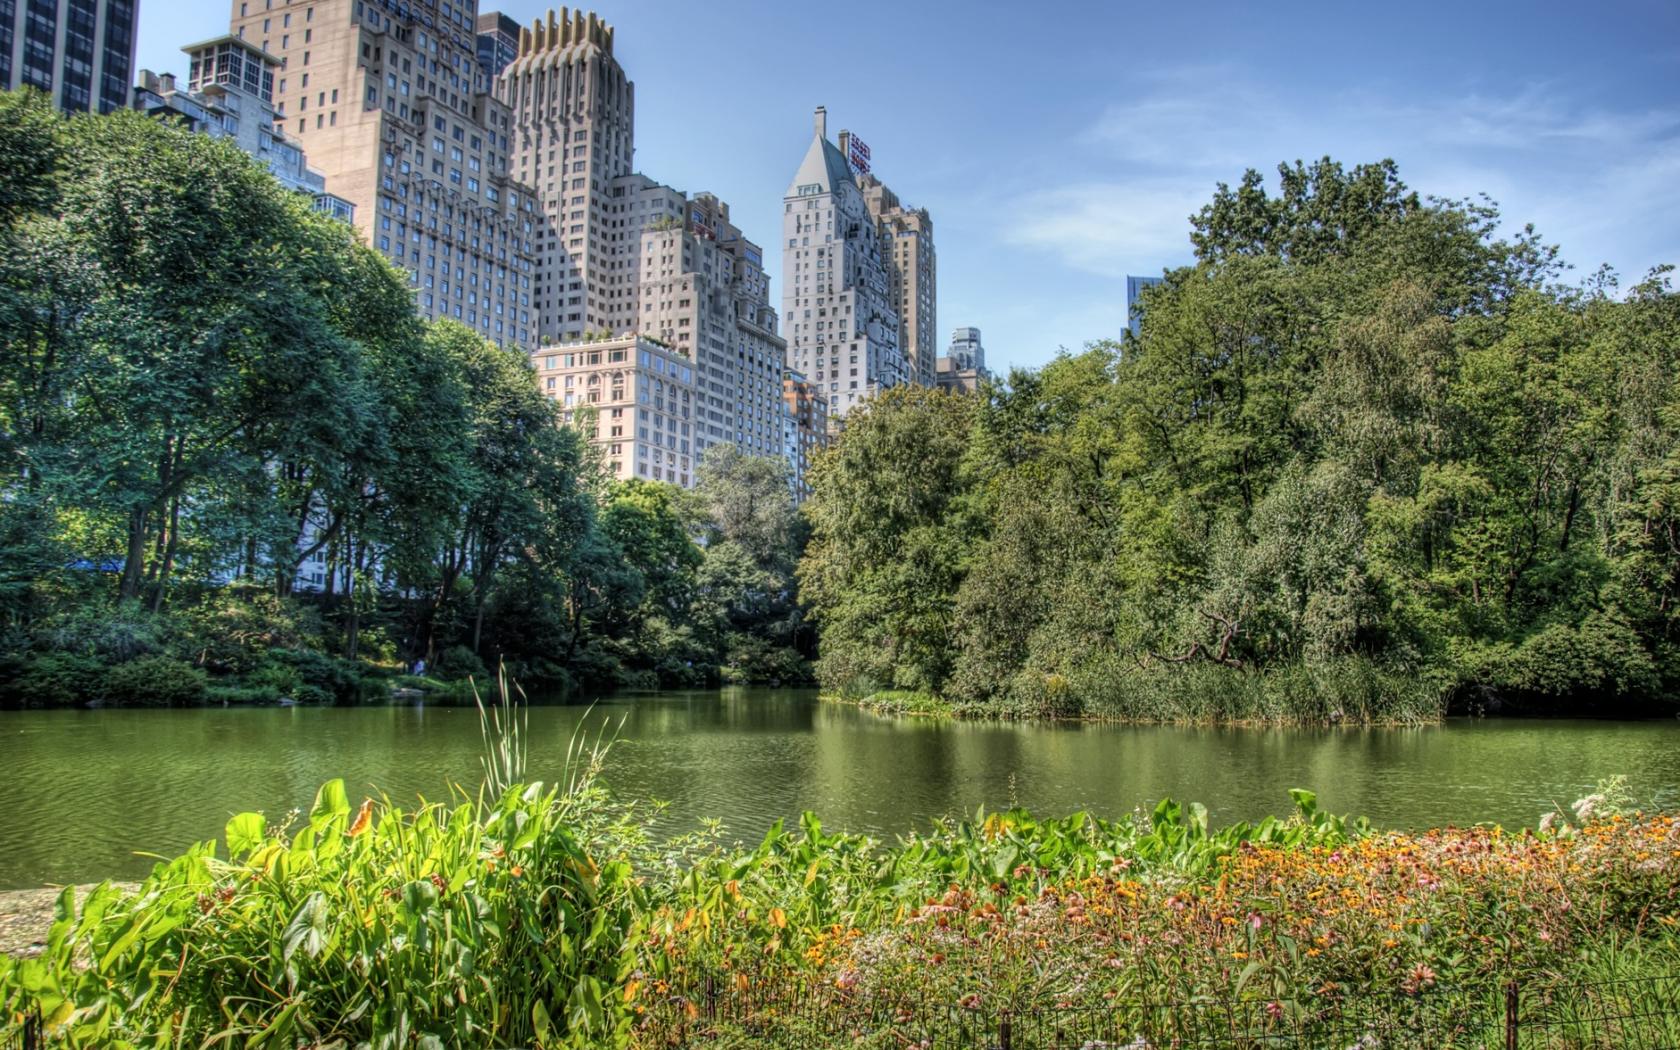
<point>136,558</point>
<point>168,561</point>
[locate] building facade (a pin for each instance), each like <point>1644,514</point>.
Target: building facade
<point>703,290</point>
<point>963,367</point>
<point>906,238</point>
<point>573,112</point>
<point>633,398</point>
<point>621,254</point>
<point>838,313</point>
<point>230,94</point>
<point>498,42</point>
<point>388,100</point>
<point>81,52</point>
<point>806,408</point>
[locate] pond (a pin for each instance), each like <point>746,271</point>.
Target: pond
<point>82,790</point>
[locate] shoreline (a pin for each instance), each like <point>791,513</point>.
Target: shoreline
<point>934,708</point>
<point>26,916</point>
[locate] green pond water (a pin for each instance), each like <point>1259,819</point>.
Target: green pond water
<point>82,790</point>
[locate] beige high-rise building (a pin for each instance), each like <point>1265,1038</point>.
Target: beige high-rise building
<point>572,133</point>
<point>839,315</point>
<point>635,399</point>
<point>391,106</point>
<point>622,254</point>
<point>806,411</point>
<point>704,291</point>
<point>906,236</point>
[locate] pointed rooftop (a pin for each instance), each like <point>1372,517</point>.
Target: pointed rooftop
<point>823,165</point>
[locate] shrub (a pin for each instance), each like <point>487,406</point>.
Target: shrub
<point>56,680</point>
<point>488,925</point>
<point>157,681</point>
<point>273,677</point>
<point>115,633</point>
<point>233,694</point>
<point>330,679</point>
<point>458,661</point>
<point>235,631</point>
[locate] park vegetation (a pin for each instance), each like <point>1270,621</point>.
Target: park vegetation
<point>1366,461</point>
<point>546,916</point>
<point>210,391</point>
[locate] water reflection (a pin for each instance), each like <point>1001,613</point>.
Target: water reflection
<point>83,788</point>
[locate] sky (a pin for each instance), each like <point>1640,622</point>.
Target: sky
<point>1061,146</point>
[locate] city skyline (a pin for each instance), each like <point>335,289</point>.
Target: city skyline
<point>1053,183</point>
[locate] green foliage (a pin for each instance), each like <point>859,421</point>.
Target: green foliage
<point>1363,464</point>
<point>156,681</point>
<point>889,540</point>
<point>179,447</point>
<point>54,680</point>
<point>458,661</point>
<point>441,926</point>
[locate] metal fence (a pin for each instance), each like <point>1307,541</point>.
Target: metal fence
<point>1635,1014</point>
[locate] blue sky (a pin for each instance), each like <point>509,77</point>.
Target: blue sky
<point>1061,146</point>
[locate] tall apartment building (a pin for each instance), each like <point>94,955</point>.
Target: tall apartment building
<point>230,94</point>
<point>703,290</point>
<point>963,367</point>
<point>81,52</point>
<point>622,254</point>
<point>806,408</point>
<point>839,315</point>
<point>388,99</point>
<point>635,400</point>
<point>573,126</point>
<point>498,42</point>
<point>906,236</point>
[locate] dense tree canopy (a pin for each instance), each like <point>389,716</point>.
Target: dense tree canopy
<point>211,392</point>
<point>1365,456</point>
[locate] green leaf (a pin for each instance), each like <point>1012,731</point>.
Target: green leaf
<point>244,833</point>
<point>331,803</point>
<point>1305,801</point>
<point>541,1024</point>
<point>307,930</point>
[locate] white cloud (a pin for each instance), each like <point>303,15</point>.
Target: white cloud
<point>1599,182</point>
<point>1110,228</point>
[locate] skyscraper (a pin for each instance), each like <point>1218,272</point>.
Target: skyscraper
<point>573,127</point>
<point>906,236</point>
<point>962,368</point>
<point>498,42</point>
<point>79,51</point>
<point>389,102</point>
<point>838,313</point>
<point>623,255</point>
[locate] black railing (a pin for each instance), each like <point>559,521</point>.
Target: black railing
<point>1633,1014</point>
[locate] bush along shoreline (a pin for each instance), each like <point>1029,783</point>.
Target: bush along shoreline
<point>548,916</point>
<point>1349,692</point>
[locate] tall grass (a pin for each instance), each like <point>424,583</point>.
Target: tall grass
<point>1347,691</point>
